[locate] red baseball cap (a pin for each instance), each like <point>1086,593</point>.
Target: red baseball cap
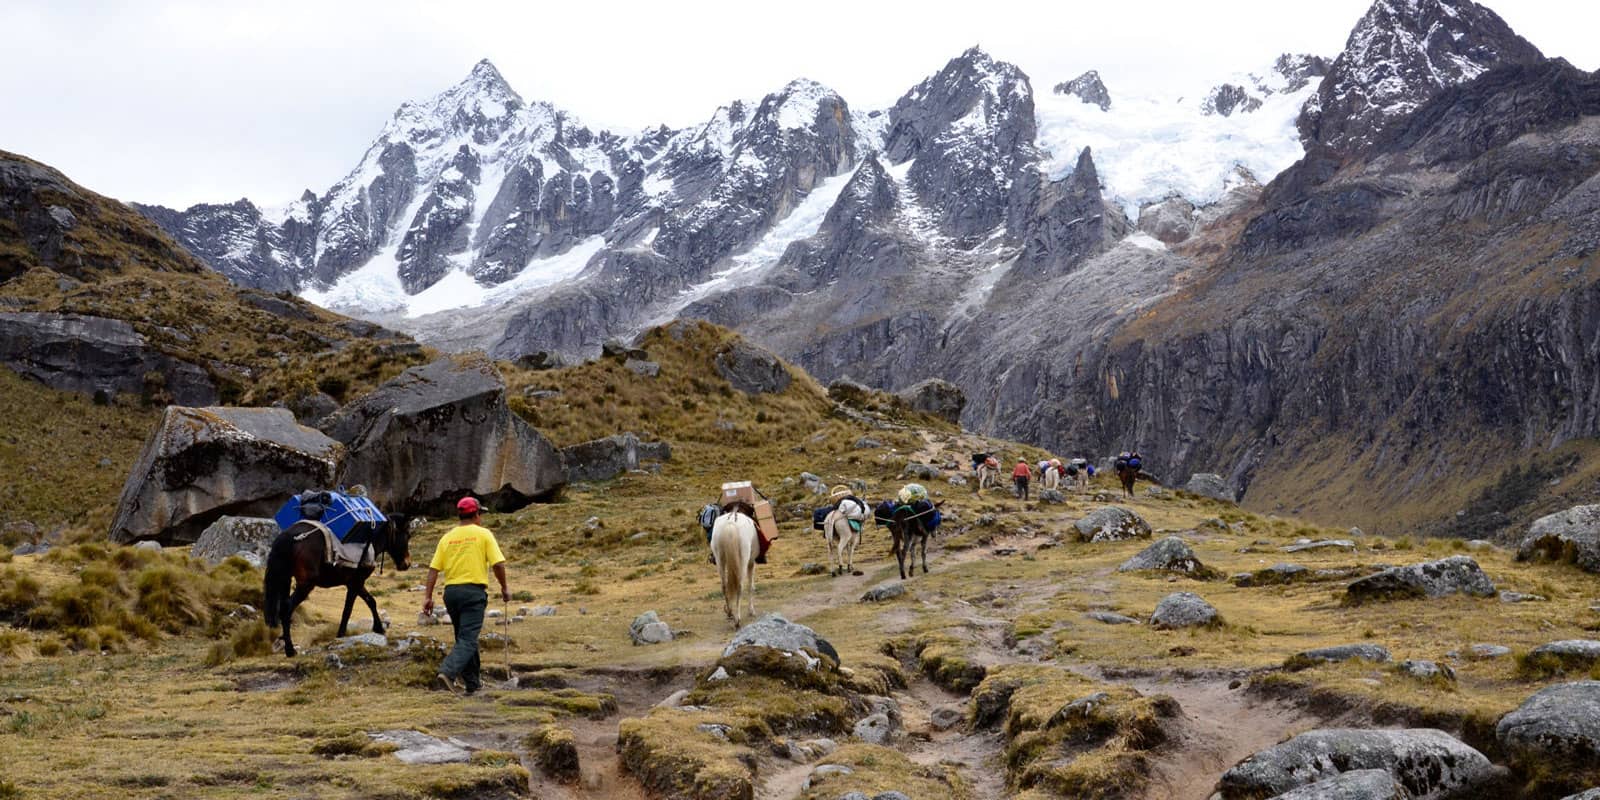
<point>468,506</point>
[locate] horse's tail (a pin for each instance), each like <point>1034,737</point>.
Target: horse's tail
<point>275,587</point>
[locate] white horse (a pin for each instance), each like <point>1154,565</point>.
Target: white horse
<point>1052,477</point>
<point>734,547</point>
<point>988,477</point>
<point>843,537</point>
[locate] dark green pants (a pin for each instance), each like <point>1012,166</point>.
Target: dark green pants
<point>466,603</point>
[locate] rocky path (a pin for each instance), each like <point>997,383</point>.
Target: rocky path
<point>1221,727</point>
<point>602,775</point>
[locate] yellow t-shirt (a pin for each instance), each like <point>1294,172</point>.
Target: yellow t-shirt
<point>465,555</point>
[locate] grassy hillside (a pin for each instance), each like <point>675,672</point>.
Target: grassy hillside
<point>998,630</point>
<point>64,458</point>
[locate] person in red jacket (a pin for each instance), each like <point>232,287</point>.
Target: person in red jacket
<point>1020,476</point>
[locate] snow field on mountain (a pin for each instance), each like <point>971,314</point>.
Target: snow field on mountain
<point>376,288</point>
<point>1147,150</point>
<point>801,223</point>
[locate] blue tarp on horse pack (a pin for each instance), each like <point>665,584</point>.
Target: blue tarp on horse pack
<point>343,514</point>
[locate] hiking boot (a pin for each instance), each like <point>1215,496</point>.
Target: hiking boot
<point>443,681</point>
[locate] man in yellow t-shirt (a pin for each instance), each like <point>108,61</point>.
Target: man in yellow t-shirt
<point>465,555</point>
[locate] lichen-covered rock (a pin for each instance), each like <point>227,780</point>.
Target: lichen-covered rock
<point>1430,764</point>
<point>1271,576</point>
<point>778,633</point>
<point>610,456</point>
<point>1569,652</point>
<point>96,355</point>
<point>1361,784</point>
<point>647,628</point>
<point>1111,524</point>
<point>1427,670</point>
<point>440,431</point>
<point>874,729</point>
<point>937,397</point>
<point>1454,575</point>
<point>1342,652</point>
<point>230,536</point>
<point>1555,729</point>
<point>205,463</point>
<point>1171,554</point>
<point>1212,485</point>
<point>1052,496</point>
<point>887,591</point>
<point>1321,544</point>
<point>1183,610</point>
<point>1572,536</point>
<point>751,369</point>
<point>1111,618</point>
<point>926,472</point>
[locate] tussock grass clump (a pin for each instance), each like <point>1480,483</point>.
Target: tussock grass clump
<point>1541,666</point>
<point>669,756</point>
<point>565,702</point>
<point>944,659</point>
<point>247,640</point>
<point>876,769</point>
<point>125,594</point>
<point>475,781</point>
<point>358,745</point>
<point>555,750</point>
<point>1104,731</point>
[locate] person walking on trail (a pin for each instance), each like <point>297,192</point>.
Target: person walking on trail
<point>465,556</point>
<point>1020,477</point>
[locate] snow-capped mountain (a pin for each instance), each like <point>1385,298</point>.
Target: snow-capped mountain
<point>1401,53</point>
<point>478,198</point>
<point>1275,266</point>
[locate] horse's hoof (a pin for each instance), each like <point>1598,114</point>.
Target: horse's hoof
<point>856,572</point>
<point>289,652</point>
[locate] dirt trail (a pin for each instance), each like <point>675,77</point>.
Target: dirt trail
<point>1221,727</point>
<point>975,755</point>
<point>596,740</point>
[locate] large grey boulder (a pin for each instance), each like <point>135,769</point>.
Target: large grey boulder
<point>415,747</point>
<point>205,463</point>
<point>230,536</point>
<point>97,355</point>
<point>940,398</point>
<point>1171,554</point>
<point>440,431</point>
<point>1586,794</point>
<point>1429,763</point>
<point>1557,728</point>
<point>1171,220</point>
<point>1572,536</point>
<point>778,633</point>
<point>1111,524</point>
<point>1212,485</point>
<point>751,369</point>
<point>1183,610</point>
<point>1454,575</point>
<point>606,458</point>
<point>1361,784</point>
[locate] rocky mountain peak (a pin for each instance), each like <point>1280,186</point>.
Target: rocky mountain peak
<point>1299,69</point>
<point>1400,54</point>
<point>1087,87</point>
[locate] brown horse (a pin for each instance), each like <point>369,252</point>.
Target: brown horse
<point>304,562</point>
<point>1127,475</point>
<point>907,527</point>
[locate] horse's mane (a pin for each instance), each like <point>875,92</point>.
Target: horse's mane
<point>739,507</point>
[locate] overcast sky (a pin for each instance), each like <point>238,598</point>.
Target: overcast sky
<point>178,101</point>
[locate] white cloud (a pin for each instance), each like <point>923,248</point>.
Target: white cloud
<point>186,100</point>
